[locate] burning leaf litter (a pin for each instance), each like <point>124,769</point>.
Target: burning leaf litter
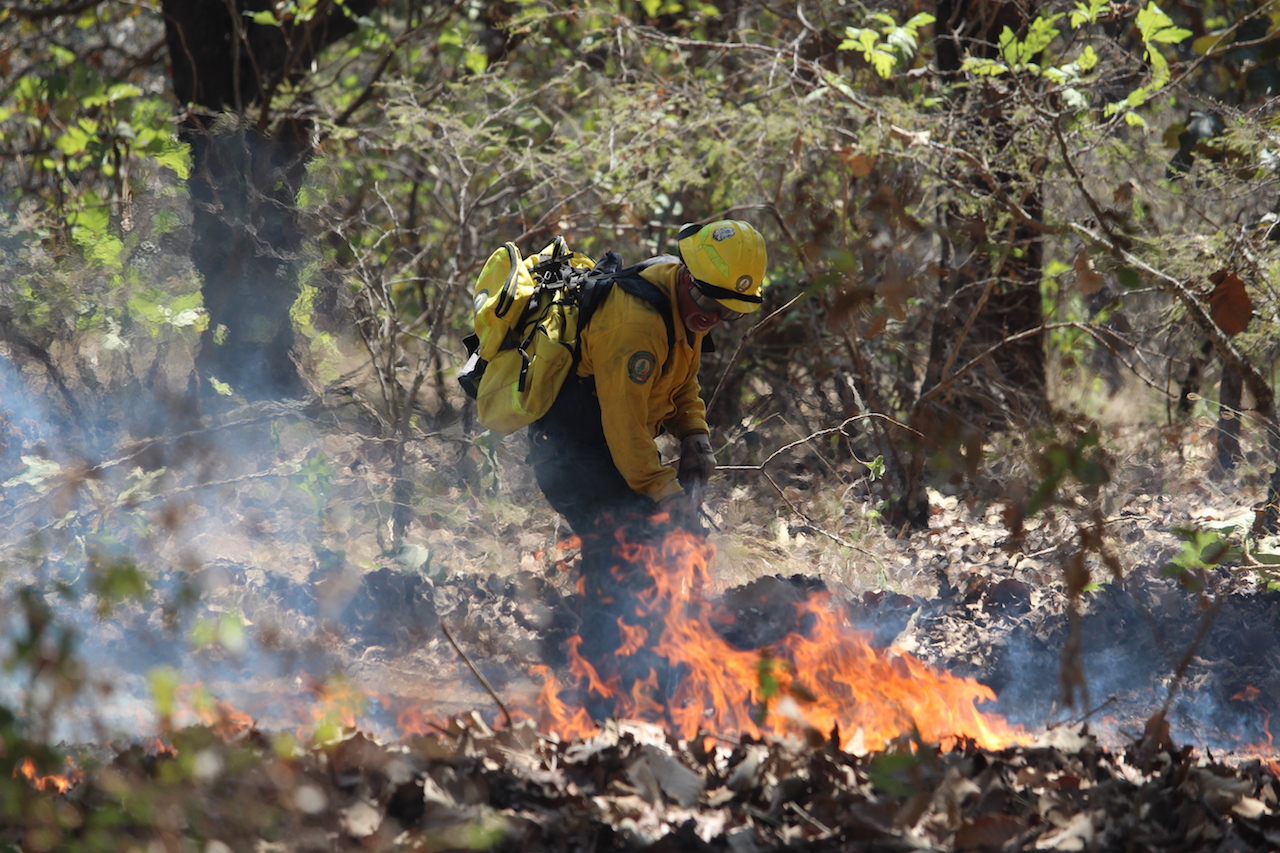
<point>827,678</point>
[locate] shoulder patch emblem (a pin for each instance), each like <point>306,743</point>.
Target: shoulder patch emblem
<point>640,367</point>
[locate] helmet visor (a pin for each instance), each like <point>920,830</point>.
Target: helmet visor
<point>699,293</point>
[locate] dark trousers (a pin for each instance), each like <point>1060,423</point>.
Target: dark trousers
<point>576,472</point>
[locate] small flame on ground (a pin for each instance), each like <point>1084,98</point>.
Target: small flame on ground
<point>54,783</point>
<point>1265,751</point>
<point>414,719</point>
<point>830,679</point>
<point>156,746</point>
<point>224,719</point>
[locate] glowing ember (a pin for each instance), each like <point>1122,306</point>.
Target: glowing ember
<point>54,783</point>
<point>829,679</point>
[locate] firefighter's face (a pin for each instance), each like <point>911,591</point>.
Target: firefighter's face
<point>698,314</point>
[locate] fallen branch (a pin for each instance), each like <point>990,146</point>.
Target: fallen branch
<point>484,682</point>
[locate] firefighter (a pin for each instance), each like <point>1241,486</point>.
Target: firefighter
<point>594,453</point>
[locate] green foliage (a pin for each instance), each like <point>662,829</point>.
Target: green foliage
<point>1087,13</point>
<point>1201,550</point>
<point>889,45</point>
<point>1156,28</point>
<point>1082,461</point>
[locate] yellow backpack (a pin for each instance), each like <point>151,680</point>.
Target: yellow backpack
<point>529,313</point>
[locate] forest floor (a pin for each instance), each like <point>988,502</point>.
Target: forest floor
<point>300,619</point>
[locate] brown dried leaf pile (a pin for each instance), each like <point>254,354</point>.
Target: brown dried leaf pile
<point>632,787</point>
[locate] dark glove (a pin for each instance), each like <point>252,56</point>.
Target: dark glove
<point>696,461</point>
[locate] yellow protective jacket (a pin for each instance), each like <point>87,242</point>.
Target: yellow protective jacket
<point>625,348</point>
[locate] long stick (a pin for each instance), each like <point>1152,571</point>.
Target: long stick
<point>477,673</point>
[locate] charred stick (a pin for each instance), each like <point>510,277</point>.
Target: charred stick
<point>1087,714</point>
<point>484,682</point>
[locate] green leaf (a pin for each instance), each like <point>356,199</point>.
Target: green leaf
<point>984,67</point>
<point>116,582</point>
<point>231,633</point>
<point>176,158</point>
<point>120,91</point>
<point>1158,27</point>
<point>903,39</point>
<point>1074,98</point>
<point>1040,35</point>
<point>922,19</point>
<point>1056,267</point>
<point>164,682</point>
<point>38,470</point>
<point>1201,549</point>
<point>1087,60</point>
<point>1088,14</point>
<point>476,60</point>
<point>883,62</point>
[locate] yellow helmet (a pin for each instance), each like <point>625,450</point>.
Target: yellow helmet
<point>727,260</point>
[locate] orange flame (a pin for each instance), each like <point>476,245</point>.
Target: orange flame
<point>1268,750</point>
<point>633,638</point>
<point>415,719</point>
<point>338,703</point>
<point>831,678</point>
<point>56,783</point>
<point>224,719</point>
<point>156,746</point>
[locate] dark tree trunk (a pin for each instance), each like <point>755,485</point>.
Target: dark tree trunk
<point>1189,391</point>
<point>245,177</point>
<point>986,368</point>
<point>989,303</point>
<point>1230,398</point>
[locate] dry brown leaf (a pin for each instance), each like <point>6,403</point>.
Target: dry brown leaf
<point>1089,280</point>
<point>988,832</point>
<point>1229,303</point>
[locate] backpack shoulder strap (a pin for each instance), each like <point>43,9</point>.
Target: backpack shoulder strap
<point>609,272</point>
<point>631,281</point>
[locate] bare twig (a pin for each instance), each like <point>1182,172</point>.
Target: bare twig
<point>1155,724</point>
<point>819,434</point>
<point>477,673</point>
<point>1075,721</point>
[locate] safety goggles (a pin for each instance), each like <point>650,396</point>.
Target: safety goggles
<point>705,297</point>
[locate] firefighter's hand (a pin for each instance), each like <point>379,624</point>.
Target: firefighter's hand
<point>696,460</point>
